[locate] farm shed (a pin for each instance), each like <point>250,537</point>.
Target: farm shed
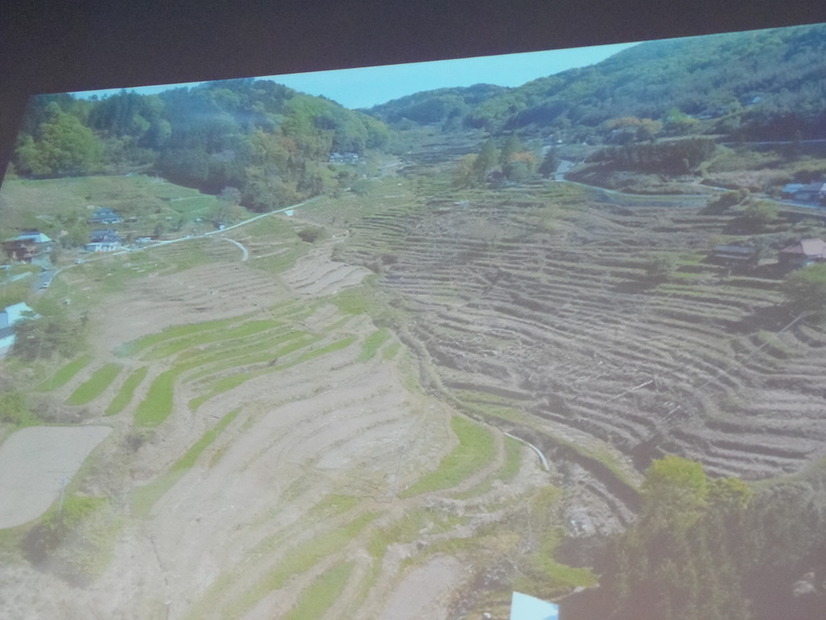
<point>741,255</point>
<point>802,253</point>
<point>8,318</point>
<point>526,607</point>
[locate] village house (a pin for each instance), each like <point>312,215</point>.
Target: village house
<point>348,157</point>
<point>10,316</point>
<point>27,246</point>
<point>802,253</point>
<point>734,256</point>
<point>105,215</point>
<point>103,240</point>
<point>805,192</point>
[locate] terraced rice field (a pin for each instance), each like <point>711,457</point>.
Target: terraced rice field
<point>532,310</point>
<point>273,455</point>
<point>349,428</point>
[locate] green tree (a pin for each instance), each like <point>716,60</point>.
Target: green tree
<point>549,163</point>
<point>729,494</point>
<point>61,145</point>
<point>679,561</point>
<point>805,289</point>
<point>757,216</point>
<point>722,202</point>
<point>485,161</point>
<point>660,267</point>
<point>464,174</point>
<point>45,336</point>
<point>14,408</point>
<point>674,492</point>
<point>511,147</point>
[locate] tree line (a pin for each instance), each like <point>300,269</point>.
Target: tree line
<point>714,548</point>
<point>271,143</point>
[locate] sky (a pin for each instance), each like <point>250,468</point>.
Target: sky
<point>369,86</point>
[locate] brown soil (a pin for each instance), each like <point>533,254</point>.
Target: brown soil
<point>325,428</point>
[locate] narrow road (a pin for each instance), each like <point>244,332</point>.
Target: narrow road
<point>245,256</point>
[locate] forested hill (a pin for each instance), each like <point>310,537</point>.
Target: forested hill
<point>450,106</point>
<point>768,84</point>
<point>272,144</point>
<point>276,146</point>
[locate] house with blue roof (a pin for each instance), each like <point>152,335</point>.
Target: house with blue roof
<point>105,215</point>
<point>10,316</point>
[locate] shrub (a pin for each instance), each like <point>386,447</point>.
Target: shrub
<point>311,234</point>
<point>806,289</point>
<point>757,216</point>
<point>659,267</point>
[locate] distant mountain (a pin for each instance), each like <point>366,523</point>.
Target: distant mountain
<point>443,105</point>
<point>768,84</point>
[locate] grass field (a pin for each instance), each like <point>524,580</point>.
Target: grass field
<point>35,204</point>
<point>476,449</point>
<point>65,373</point>
<point>127,391</point>
<point>93,387</point>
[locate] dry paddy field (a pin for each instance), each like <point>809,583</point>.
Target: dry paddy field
<point>530,309</point>
<point>271,455</point>
<point>341,429</point>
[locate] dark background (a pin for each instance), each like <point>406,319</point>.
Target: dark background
<point>57,46</point>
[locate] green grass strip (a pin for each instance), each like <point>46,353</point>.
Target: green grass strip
<point>373,343</point>
<point>513,460</point>
<point>144,498</point>
<point>171,333</point>
<point>322,594</point>
<point>287,310</point>
<point>157,405</point>
<point>62,376</point>
<point>298,561</point>
<point>93,387</point>
<point>476,449</point>
<point>338,345</point>
<point>251,328</point>
<point>127,391</point>
<point>329,507</point>
<point>354,301</point>
<point>225,384</point>
<point>226,357</point>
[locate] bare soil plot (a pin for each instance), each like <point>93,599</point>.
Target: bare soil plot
<point>311,276</point>
<point>37,463</point>
<point>202,293</point>
<point>308,474</point>
<point>421,593</point>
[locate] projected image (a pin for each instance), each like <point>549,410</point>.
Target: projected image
<point>530,336</point>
